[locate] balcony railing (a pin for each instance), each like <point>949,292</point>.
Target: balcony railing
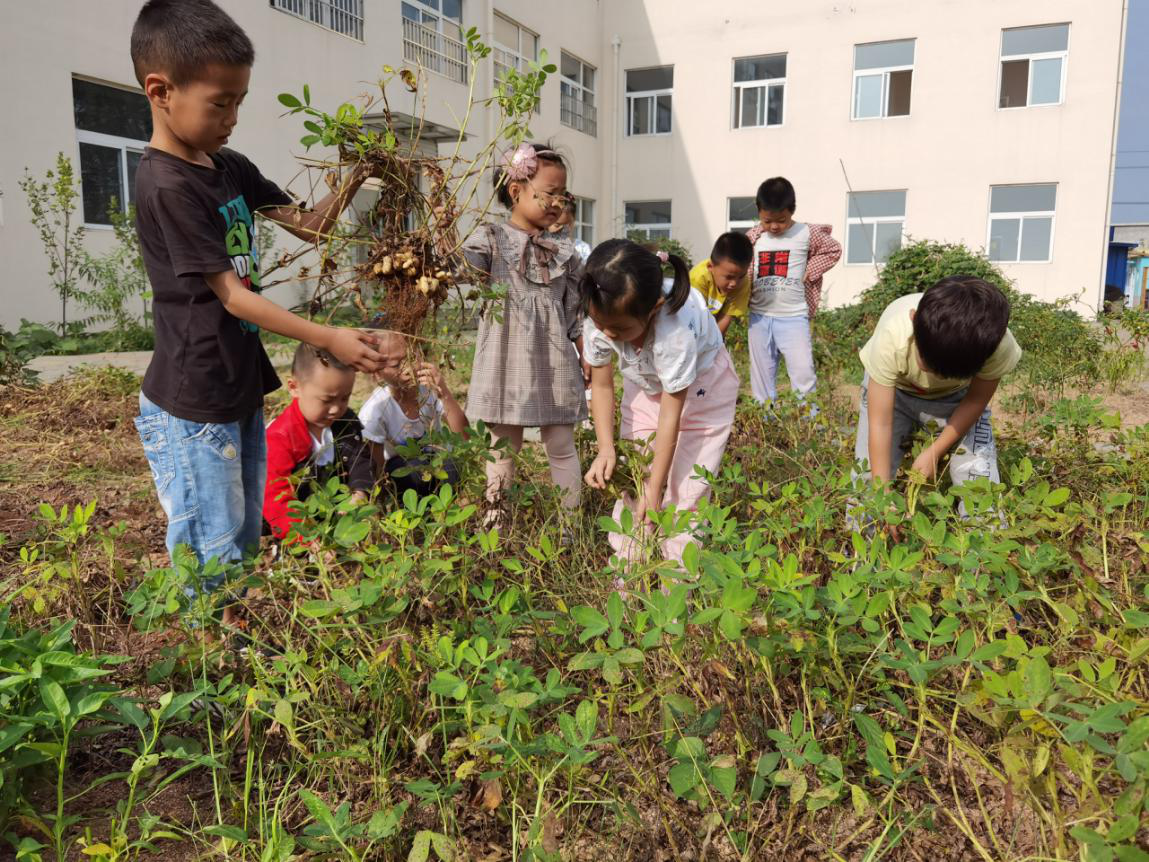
<point>434,51</point>
<point>342,16</point>
<point>577,114</point>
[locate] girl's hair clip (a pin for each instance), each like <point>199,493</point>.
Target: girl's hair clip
<point>663,256</point>
<point>521,162</point>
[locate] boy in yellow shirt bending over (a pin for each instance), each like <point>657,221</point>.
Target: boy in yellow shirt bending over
<point>936,357</point>
<point>723,278</point>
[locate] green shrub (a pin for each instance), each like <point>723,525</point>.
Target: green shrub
<point>1060,347</point>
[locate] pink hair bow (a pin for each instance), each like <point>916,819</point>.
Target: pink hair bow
<point>663,256</point>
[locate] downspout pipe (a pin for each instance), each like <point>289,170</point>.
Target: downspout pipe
<point>619,103</point>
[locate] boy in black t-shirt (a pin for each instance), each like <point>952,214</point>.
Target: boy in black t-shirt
<point>201,404</point>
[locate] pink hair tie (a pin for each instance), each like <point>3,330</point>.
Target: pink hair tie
<point>663,256</point>
<point>520,163</point>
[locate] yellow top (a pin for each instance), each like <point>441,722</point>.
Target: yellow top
<point>891,357</point>
<point>734,303</point>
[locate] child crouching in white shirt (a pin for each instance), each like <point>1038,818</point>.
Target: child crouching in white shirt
<point>411,402</point>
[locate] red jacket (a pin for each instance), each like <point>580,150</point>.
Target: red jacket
<point>289,448</point>
<point>825,251</point>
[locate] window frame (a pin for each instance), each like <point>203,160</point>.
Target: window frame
<point>581,223</point>
<point>358,17</point>
<point>113,142</point>
<point>875,221</point>
<point>765,84</point>
<point>516,53</point>
<point>741,225</point>
<point>426,12</point>
<point>579,91</point>
<point>1002,59</point>
<point>646,227</point>
<point>653,96</point>
<point>884,71</point>
<point>1020,216</point>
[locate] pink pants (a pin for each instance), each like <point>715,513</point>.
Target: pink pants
<point>707,417</point>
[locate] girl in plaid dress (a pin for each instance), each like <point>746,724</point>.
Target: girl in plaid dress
<point>527,370</point>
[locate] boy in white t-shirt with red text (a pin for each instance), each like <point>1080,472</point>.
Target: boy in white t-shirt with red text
<point>790,259</point>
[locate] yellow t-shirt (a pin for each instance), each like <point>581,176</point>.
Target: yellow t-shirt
<point>734,304</point>
<point>891,357</point>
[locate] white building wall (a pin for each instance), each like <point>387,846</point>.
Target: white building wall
<point>947,153</point>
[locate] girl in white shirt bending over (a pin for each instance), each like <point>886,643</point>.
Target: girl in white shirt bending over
<point>679,384</point>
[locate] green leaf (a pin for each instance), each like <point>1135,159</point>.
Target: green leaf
<point>289,101</point>
<point>448,685</point>
<point>683,776</point>
<point>351,530</point>
<point>1122,829</point>
<point>420,847</point>
<point>1131,853</point>
<point>614,610</point>
<point>724,775</point>
<point>593,623</point>
<point>1037,681</point>
<point>989,651</point>
<point>518,699</point>
<point>1056,498</point>
<point>232,833</point>
<point>318,608</point>
<point>54,698</point>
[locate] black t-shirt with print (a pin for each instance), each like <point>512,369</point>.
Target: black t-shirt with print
<point>193,220</point>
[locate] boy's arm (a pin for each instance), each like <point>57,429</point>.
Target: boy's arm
<point>825,251</point>
<point>453,413</point>
<point>880,407</point>
<point>724,323</point>
<point>967,412</point>
<point>378,458</point>
<point>347,345</point>
<point>315,223</point>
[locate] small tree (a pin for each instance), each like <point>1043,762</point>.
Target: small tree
<point>53,204</point>
<point>118,277</point>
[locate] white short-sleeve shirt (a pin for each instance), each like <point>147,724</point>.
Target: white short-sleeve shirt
<point>683,344</point>
<point>385,422</point>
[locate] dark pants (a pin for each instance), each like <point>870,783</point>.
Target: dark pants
<point>414,479</point>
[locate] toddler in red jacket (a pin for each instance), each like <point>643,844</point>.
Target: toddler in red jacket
<point>318,434</point>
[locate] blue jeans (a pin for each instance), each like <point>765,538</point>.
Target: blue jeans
<point>210,478</point>
<point>789,336</point>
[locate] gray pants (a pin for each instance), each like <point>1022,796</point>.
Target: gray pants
<point>974,456</point>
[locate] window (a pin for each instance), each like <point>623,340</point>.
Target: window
<point>648,220</point>
<point>584,220</point>
<point>1021,223</point>
<point>883,73</point>
<point>759,91</point>
<point>648,95</point>
<point>741,214</point>
<point>1033,65</point>
<point>342,16</point>
<point>874,222</point>
<point>576,85</point>
<point>515,46</point>
<point>432,36</point>
<point>112,128</point>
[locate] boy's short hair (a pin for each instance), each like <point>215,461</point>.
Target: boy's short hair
<point>734,247</point>
<point>959,323</point>
<point>307,357</point>
<point>181,37</point>
<point>776,193</point>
